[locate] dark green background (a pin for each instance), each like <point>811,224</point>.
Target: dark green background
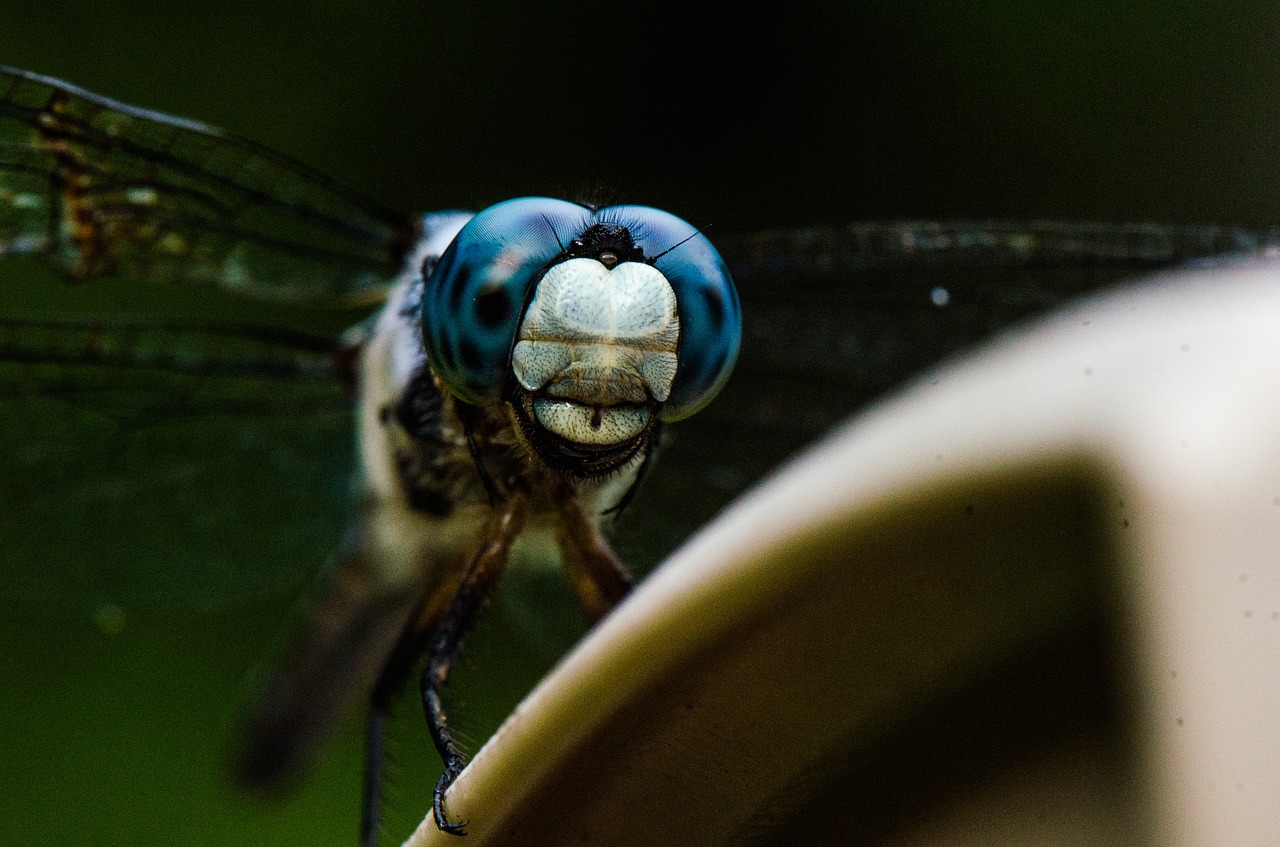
<point>814,112</point>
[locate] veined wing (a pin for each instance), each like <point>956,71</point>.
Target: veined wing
<point>866,305</point>
<point>223,452</point>
<point>96,187</point>
<point>152,467</point>
<point>834,317</point>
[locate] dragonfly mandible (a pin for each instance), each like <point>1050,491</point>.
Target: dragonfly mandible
<point>479,413</point>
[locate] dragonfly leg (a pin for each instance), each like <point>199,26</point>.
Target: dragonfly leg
<point>374,761</point>
<point>475,589</point>
<point>594,570</point>
<point>408,650</point>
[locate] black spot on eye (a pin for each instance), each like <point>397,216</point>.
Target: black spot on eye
<point>458,287</point>
<point>493,308</point>
<point>712,299</point>
<point>471,357</point>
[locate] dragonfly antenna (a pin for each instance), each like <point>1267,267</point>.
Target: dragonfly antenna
<point>696,232</point>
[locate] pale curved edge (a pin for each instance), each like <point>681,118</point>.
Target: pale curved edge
<point>1169,390</point>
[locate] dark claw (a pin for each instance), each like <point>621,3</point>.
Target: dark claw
<point>437,805</point>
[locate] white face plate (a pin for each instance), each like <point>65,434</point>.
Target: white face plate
<point>598,345</point>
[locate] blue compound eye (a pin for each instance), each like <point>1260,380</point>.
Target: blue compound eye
<point>710,318</point>
<point>474,301</point>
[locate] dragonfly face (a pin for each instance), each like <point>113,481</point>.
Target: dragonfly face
<point>516,376</point>
<point>594,324</point>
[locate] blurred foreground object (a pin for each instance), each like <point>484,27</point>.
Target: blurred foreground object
<point>1032,599</point>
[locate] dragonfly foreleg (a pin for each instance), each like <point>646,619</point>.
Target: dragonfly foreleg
<point>481,578</point>
<point>594,570</point>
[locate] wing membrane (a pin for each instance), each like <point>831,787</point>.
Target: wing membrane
<point>832,251</point>
<point>96,187</point>
<point>152,468</point>
<point>869,303</point>
<point>835,317</point>
<point>168,346</point>
<point>222,452</point>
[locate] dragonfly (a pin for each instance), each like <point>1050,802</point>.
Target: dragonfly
<point>512,373</point>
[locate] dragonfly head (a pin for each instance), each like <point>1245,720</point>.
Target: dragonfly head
<point>592,324</point>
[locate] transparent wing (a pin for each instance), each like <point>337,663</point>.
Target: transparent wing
<point>157,464</point>
<point>152,467</point>
<point>834,317</point>
<point>861,307</point>
<point>830,252</point>
<point>96,187</point>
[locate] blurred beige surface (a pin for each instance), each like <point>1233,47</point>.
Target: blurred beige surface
<point>1032,599</point>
